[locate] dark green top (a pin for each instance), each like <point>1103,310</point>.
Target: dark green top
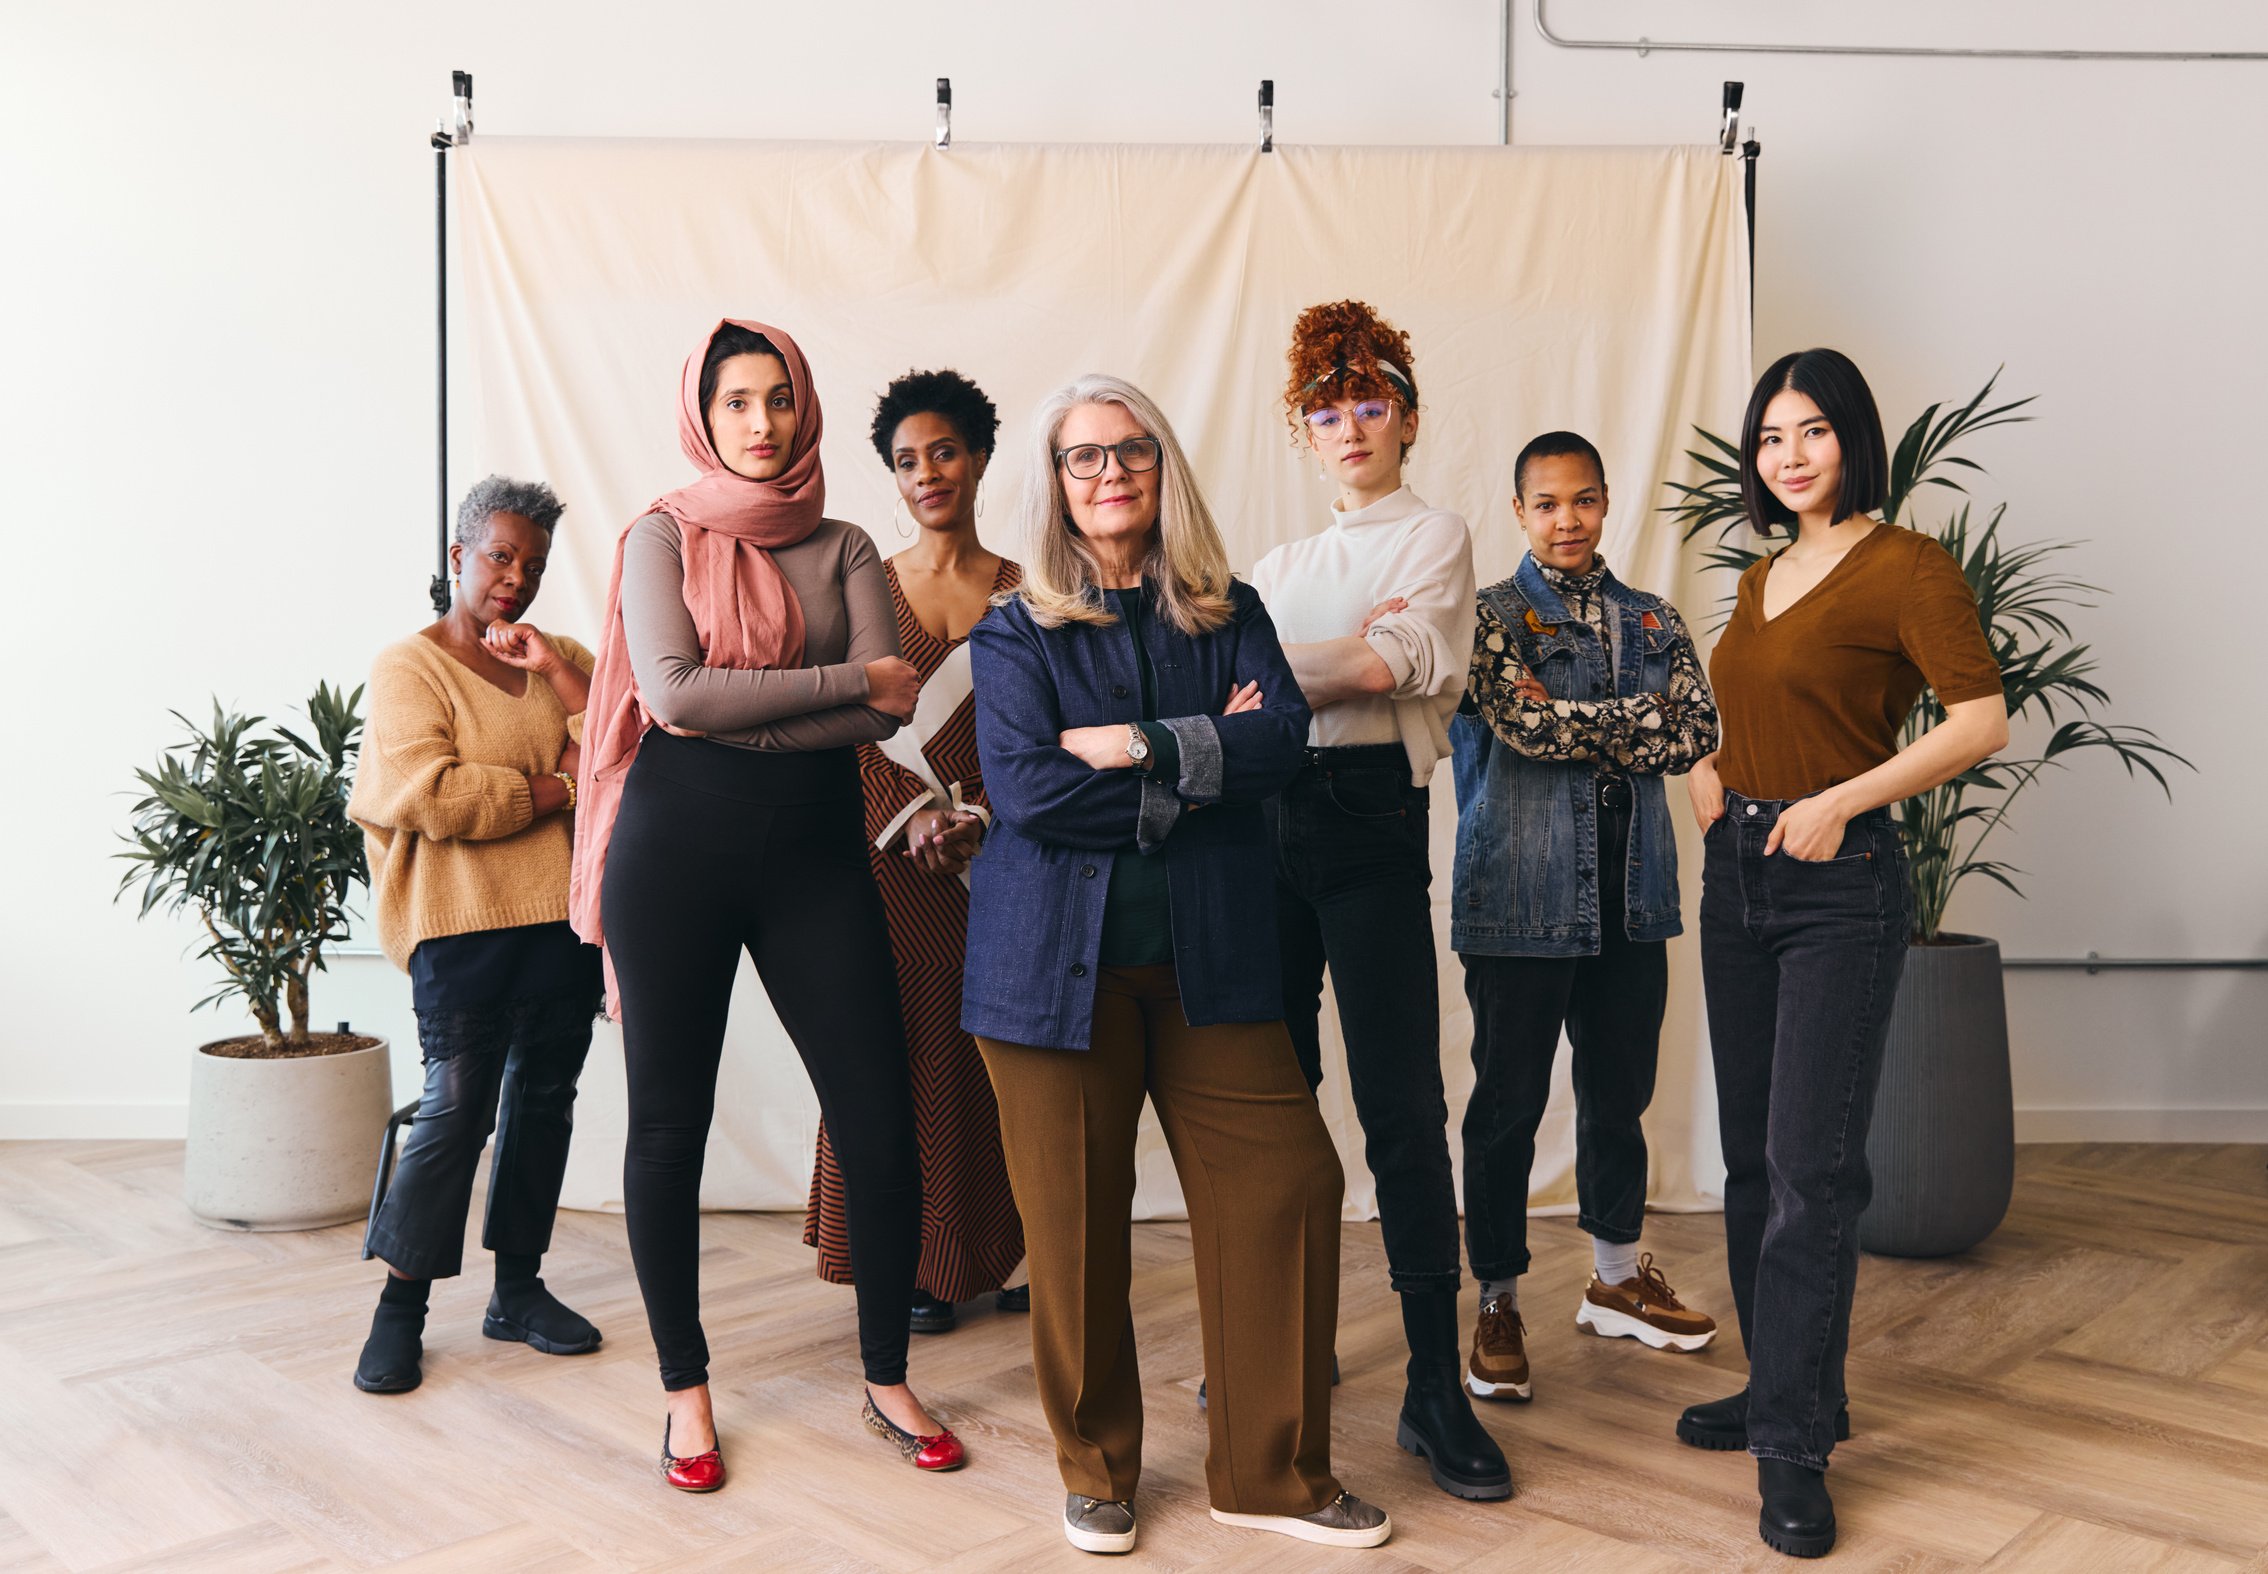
<point>1137,926</point>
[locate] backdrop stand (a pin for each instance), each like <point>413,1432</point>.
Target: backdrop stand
<point>448,134</point>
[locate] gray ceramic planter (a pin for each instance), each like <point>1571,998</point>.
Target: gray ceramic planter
<point>1943,1145</point>
<point>285,1144</point>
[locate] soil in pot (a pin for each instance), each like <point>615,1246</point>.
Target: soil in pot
<point>253,1047</point>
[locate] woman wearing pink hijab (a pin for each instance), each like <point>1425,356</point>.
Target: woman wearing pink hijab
<point>749,647</point>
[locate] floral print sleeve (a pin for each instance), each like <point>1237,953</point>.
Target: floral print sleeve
<point>1643,734</point>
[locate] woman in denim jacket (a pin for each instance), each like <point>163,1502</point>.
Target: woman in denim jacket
<point>1583,694</point>
<point>1122,945</point>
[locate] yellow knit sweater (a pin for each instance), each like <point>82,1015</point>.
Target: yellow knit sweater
<point>441,794</point>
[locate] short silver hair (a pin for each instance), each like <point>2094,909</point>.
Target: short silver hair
<point>498,494</point>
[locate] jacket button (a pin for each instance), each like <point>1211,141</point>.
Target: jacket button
<point>1078,970</point>
<point>1118,691</point>
<point>1087,871</point>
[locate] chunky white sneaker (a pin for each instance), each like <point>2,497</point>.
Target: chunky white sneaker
<point>1499,1365</point>
<point>1645,1309</point>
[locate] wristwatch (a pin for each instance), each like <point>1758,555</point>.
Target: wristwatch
<point>1137,746</point>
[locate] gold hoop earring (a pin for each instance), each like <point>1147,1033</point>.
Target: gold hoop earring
<point>980,500</point>
<point>905,531</point>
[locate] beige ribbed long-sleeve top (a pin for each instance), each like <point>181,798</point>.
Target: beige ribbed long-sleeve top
<point>441,794</point>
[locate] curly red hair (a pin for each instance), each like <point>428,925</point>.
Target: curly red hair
<point>1341,350</point>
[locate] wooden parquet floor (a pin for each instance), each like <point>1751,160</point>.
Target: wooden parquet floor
<point>2088,1391</point>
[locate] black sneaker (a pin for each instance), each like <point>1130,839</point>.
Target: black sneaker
<point>932,1316</point>
<point>538,1319</point>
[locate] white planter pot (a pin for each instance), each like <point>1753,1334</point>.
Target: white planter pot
<point>285,1144</point>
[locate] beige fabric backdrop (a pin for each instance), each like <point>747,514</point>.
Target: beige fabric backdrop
<point>1604,290</point>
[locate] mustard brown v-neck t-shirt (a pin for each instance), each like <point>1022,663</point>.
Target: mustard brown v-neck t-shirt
<point>1816,696</point>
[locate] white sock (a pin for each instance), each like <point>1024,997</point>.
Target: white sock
<point>1505,1290</point>
<point>1615,1264</point>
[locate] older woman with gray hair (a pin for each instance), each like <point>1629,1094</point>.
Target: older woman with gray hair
<point>465,793</point>
<point>1133,709</point>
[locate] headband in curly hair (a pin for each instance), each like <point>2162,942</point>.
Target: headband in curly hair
<point>1345,350</point>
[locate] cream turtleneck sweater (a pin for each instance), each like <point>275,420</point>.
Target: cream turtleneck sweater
<point>1319,588</point>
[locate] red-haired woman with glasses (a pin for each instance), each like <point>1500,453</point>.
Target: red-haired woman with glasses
<point>1376,615</point>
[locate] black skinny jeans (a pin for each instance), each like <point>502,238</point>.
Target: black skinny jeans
<point>511,1068</point>
<point>715,850</point>
<point>1801,963</point>
<point>1351,882</point>
<point>1611,1005</point>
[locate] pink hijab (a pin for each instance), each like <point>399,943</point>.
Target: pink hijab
<point>743,606</point>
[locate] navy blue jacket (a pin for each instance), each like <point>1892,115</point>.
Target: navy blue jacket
<point>1060,826</point>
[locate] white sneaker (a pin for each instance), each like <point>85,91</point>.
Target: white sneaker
<point>1097,1524</point>
<point>1345,1521</point>
<point>1645,1309</point>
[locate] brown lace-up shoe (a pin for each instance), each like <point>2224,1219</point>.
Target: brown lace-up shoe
<point>1645,1309</point>
<point>1499,1367</point>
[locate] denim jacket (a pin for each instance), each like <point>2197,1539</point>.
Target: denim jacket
<point>1059,827</point>
<point>1527,830</point>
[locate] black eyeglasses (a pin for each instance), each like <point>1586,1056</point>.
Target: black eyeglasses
<point>1085,462</point>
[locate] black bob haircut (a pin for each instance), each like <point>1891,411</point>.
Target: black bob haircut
<point>1832,381</point>
<point>947,394</point>
<point>727,342</point>
<point>1554,445</point>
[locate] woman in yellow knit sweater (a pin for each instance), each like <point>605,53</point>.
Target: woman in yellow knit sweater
<point>463,794</point>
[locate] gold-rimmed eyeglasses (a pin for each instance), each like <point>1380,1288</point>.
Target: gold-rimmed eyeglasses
<point>1369,415</point>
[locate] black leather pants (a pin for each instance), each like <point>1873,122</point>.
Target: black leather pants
<point>511,1068</point>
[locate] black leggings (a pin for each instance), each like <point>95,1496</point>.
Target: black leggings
<point>717,849</point>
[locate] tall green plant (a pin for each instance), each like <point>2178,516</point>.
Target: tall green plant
<point>2021,599</point>
<point>251,830</point>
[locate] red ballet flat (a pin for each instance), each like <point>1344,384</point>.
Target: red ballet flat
<point>941,1452</point>
<point>694,1472</point>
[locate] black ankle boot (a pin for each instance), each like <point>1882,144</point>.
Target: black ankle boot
<point>392,1355</point>
<point>1798,1517</point>
<point>1437,1422</point>
<point>1723,1423</point>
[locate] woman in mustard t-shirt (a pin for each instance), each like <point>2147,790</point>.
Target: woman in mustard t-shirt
<point>1804,906</point>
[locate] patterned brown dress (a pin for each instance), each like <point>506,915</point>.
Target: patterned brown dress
<point>971,1237</point>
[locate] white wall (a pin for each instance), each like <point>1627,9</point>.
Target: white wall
<point>217,412</point>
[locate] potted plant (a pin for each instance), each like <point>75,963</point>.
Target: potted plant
<point>250,830</point>
<point>1942,1146</point>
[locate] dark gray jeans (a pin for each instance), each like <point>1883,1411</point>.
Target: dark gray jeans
<point>1801,963</point>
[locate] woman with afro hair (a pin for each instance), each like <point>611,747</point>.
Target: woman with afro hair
<point>1376,615</point>
<point>925,818</point>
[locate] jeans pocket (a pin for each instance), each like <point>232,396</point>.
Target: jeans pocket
<point>1369,795</point>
